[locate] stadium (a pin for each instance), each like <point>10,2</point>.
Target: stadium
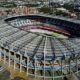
<point>43,46</point>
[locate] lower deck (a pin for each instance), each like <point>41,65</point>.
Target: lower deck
<point>42,69</point>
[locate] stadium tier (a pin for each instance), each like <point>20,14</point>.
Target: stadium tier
<point>41,55</point>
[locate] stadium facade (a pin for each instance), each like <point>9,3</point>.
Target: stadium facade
<point>40,55</point>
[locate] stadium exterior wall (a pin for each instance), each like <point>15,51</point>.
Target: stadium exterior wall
<point>52,68</point>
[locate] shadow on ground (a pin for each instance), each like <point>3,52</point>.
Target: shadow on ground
<point>18,78</point>
<point>5,75</point>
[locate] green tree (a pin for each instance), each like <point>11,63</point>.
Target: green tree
<point>46,10</point>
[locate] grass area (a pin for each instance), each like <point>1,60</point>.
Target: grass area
<point>13,73</point>
<point>8,79</point>
<point>54,34</point>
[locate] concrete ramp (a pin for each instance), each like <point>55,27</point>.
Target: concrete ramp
<point>72,77</point>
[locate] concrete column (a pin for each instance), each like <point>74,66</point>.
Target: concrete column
<point>35,67</point>
<point>0,54</point>
<point>14,61</point>
<point>77,65</point>
<point>44,68</point>
<point>27,65</point>
<point>20,63</point>
<point>53,68</point>
<point>70,66</point>
<point>4,56</point>
<point>62,68</point>
<point>45,55</point>
<point>9,58</point>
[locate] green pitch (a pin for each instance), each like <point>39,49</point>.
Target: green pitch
<point>54,34</point>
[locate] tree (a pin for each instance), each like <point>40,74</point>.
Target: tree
<point>46,10</point>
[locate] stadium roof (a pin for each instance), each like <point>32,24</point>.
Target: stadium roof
<point>35,45</point>
<point>56,17</point>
